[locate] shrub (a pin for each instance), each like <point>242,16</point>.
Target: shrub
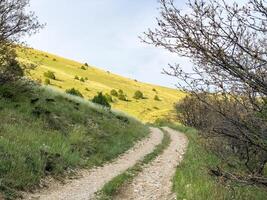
<point>154,90</point>
<point>86,78</point>
<point>122,97</point>
<point>114,93</point>
<point>82,79</point>
<point>50,74</point>
<point>109,98</point>
<point>83,67</point>
<point>85,64</point>
<point>120,91</point>
<point>47,81</point>
<point>87,89</point>
<point>138,95</point>
<point>101,100</point>
<point>156,98</point>
<point>76,77</point>
<point>54,59</point>
<point>74,92</point>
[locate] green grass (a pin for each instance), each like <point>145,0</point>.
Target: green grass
<point>46,132</point>
<point>111,188</point>
<point>146,109</point>
<point>192,180</point>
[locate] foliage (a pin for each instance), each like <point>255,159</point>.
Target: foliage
<point>47,81</point>
<point>76,77</point>
<point>86,65</point>
<point>109,98</point>
<point>50,75</point>
<point>156,98</point>
<point>114,93</point>
<point>74,92</point>
<point>82,79</point>
<point>83,67</point>
<point>122,97</point>
<point>102,100</point>
<point>138,95</point>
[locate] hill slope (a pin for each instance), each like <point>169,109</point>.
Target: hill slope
<point>44,132</point>
<point>147,109</point>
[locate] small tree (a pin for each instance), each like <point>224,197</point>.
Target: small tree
<point>76,77</point>
<point>82,79</point>
<point>138,95</point>
<point>114,93</point>
<point>101,99</point>
<point>50,74</point>
<point>74,92</point>
<point>86,64</point>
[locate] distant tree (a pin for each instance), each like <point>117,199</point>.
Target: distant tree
<point>82,79</point>
<point>101,99</point>
<point>76,77</point>
<point>50,74</point>
<point>154,90</point>
<point>74,92</point>
<point>86,78</point>
<point>86,64</point>
<point>138,95</point>
<point>114,93</point>
<point>15,22</point>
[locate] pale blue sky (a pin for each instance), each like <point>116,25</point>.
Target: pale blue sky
<point>105,33</point>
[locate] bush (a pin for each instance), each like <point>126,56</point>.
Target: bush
<point>109,98</point>
<point>114,93</point>
<point>50,74</point>
<point>82,79</point>
<point>156,98</point>
<point>86,78</point>
<point>85,64</point>
<point>83,67</point>
<point>122,97</point>
<point>120,91</point>
<point>138,95</point>
<point>74,92</point>
<point>76,77</point>
<point>101,100</point>
<point>47,81</point>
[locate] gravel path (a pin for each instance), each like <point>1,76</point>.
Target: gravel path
<point>154,182</point>
<point>93,180</point>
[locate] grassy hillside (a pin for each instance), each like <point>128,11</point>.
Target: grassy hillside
<point>147,109</point>
<point>46,132</point>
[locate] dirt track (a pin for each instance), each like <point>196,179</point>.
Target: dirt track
<point>154,182</point>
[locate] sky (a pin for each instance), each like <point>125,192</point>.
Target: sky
<point>104,33</point>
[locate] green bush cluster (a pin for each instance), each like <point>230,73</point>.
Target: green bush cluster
<point>50,75</point>
<point>138,95</point>
<point>102,100</point>
<point>74,92</point>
